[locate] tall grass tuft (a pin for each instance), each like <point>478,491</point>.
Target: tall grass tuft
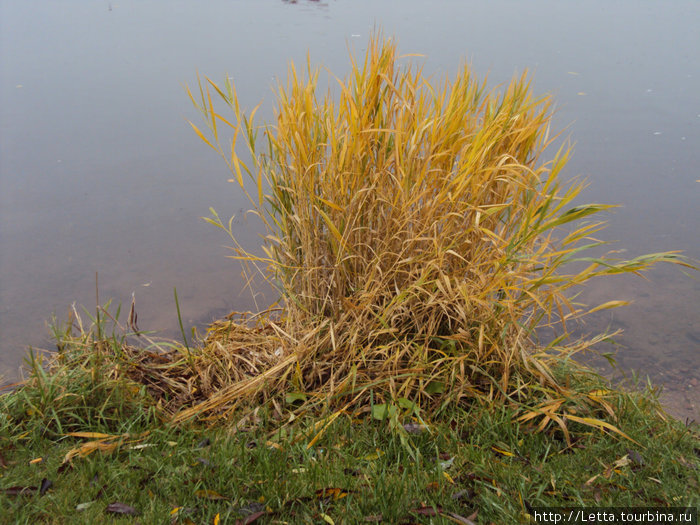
<point>416,235</point>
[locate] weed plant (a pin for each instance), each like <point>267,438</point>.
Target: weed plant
<point>419,241</point>
<point>87,383</point>
<point>416,235</point>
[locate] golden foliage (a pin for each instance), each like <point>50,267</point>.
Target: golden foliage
<point>414,233</point>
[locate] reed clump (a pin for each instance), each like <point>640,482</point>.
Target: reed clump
<point>416,235</point>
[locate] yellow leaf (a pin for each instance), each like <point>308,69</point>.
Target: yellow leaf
<point>599,393</point>
<point>236,163</point>
<point>175,511</point>
<point>609,305</point>
<point>329,204</point>
<point>327,422</point>
<point>36,460</point>
<point>622,462</point>
<point>201,136</point>
<point>591,480</point>
<point>91,435</point>
<point>334,493</point>
<point>503,452</point>
<point>274,445</point>
<point>217,519</point>
<point>332,228</point>
<point>448,478</point>
<point>597,423</point>
<point>213,115</point>
<point>327,519</point>
<point>91,446</point>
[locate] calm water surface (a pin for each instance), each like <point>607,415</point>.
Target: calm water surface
<point>100,172</point>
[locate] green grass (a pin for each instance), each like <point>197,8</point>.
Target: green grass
<point>474,460</point>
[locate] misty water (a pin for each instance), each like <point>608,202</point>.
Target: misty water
<point>100,172</point>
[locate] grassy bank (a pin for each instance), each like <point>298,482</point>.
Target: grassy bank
<point>113,460</point>
<point>419,242</point>
<point>82,444</point>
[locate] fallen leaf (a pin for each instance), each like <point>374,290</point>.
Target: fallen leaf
<point>635,457</point>
<point>46,484</point>
<point>427,511</point>
<point>461,519</point>
<point>92,435</point>
<point>19,491</point>
<point>143,445</point>
<point>252,508</point>
<point>82,506</point>
<point>91,446</point>
<point>503,452</point>
<point>622,462</point>
<point>66,465</point>
<point>333,493</point>
<point>36,460</point>
<point>204,462</point>
<point>414,428</point>
<point>274,445</point>
<point>251,519</point>
<point>121,508</point>
<point>181,512</point>
<point>327,519</point>
<point>444,465</point>
<point>462,494</point>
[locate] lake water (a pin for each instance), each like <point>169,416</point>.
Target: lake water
<point>100,172</point>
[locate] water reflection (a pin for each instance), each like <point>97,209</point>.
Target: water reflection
<point>99,170</point>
